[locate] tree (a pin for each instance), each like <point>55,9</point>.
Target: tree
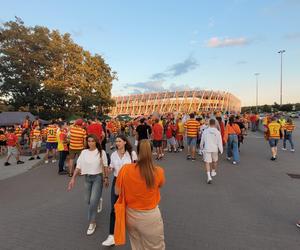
<point>45,72</point>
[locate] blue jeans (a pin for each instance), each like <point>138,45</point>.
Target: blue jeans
<point>93,191</point>
<point>232,147</point>
<point>288,137</point>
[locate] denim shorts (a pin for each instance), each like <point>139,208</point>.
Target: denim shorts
<point>191,141</point>
<point>51,145</point>
<point>273,142</point>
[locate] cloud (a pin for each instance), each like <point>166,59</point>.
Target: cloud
<point>292,36</point>
<point>149,86</point>
<point>216,42</point>
<point>211,22</point>
<point>241,62</point>
<point>77,33</point>
<point>176,69</point>
<point>175,87</point>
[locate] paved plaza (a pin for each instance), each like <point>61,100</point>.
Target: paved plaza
<point>250,206</point>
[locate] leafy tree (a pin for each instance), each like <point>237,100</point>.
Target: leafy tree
<point>46,73</point>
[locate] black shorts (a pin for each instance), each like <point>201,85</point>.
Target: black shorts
<point>2,143</point>
<point>157,144</point>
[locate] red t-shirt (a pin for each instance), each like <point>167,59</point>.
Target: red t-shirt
<point>95,129</point>
<point>157,131</point>
<point>169,131</point>
<point>11,140</point>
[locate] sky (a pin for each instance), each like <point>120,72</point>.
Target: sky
<point>167,45</point>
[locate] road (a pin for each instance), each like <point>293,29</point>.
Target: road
<point>253,205</point>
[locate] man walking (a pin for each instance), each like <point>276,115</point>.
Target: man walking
<point>211,144</point>
<point>191,132</point>
<point>274,129</point>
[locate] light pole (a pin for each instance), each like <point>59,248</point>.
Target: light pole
<point>281,52</point>
<point>256,74</point>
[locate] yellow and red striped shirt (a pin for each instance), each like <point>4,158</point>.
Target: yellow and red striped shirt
<point>77,137</point>
<point>51,133</point>
<point>18,132</point>
<point>192,127</point>
<point>36,135</point>
<point>289,127</point>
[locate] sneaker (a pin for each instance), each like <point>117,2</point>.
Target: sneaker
<point>273,158</point>
<point>62,172</point>
<point>20,162</point>
<point>213,173</point>
<point>110,241</point>
<point>188,157</point>
<point>284,149</point>
<point>228,158</point>
<point>234,162</point>
<point>38,158</point>
<point>193,159</point>
<point>99,208</point>
<point>46,161</point>
<point>298,224</point>
<point>7,164</point>
<point>53,161</point>
<point>292,150</point>
<point>91,229</point>
<point>31,158</point>
<point>209,181</point>
<point>180,149</point>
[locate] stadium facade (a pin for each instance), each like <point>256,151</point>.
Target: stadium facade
<point>178,101</point>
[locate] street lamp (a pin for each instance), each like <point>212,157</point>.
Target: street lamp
<point>256,74</point>
<point>281,52</point>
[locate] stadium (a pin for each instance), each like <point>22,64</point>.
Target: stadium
<point>178,101</point>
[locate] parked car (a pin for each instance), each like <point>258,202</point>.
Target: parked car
<point>294,115</point>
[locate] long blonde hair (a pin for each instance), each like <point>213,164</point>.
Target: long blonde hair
<point>145,162</point>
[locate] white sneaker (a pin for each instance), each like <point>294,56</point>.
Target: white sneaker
<point>292,150</point>
<point>91,229</point>
<point>99,208</point>
<point>46,161</point>
<point>110,241</point>
<point>209,181</point>
<point>228,158</point>
<point>234,162</point>
<point>213,173</point>
<point>53,161</point>
<point>284,149</point>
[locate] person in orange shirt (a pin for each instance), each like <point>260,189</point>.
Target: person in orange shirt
<point>77,143</point>
<point>275,131</point>
<point>140,183</point>
<point>288,127</point>
<point>51,143</point>
<point>36,143</point>
<point>231,133</point>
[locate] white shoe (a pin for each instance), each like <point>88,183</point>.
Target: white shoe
<point>284,149</point>
<point>91,229</point>
<point>110,241</point>
<point>46,161</point>
<point>234,162</point>
<point>209,181</point>
<point>53,161</point>
<point>292,150</point>
<point>228,158</point>
<point>99,208</point>
<point>213,173</point>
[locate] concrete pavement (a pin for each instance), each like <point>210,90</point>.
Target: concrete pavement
<point>253,205</point>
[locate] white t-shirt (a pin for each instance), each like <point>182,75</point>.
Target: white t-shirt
<point>89,162</point>
<point>116,163</point>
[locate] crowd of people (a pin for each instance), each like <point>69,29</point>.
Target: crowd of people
<point>80,148</point>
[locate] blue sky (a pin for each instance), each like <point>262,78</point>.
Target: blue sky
<point>169,45</point>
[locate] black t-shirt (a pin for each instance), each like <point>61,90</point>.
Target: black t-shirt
<point>143,131</point>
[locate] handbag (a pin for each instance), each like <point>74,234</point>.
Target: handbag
<point>120,213</point>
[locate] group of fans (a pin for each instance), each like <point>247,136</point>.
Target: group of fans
<point>169,132</point>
